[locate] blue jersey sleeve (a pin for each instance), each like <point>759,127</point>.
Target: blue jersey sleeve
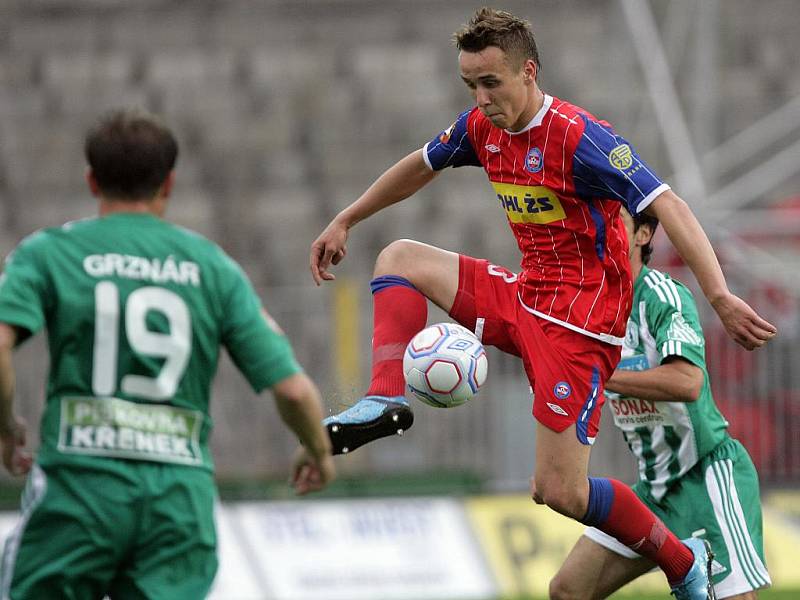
<point>605,166</point>
<point>451,147</point>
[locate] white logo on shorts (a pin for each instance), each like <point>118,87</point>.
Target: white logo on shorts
<point>717,568</point>
<point>557,409</point>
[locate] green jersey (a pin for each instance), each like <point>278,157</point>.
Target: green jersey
<point>668,438</point>
<point>136,310</point>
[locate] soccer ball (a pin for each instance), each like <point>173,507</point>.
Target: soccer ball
<point>445,365</point>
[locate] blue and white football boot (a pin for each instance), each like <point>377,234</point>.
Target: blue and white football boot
<point>697,583</point>
<point>369,419</point>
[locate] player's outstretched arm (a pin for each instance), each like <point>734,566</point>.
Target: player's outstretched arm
<point>16,458</point>
<point>742,323</point>
<point>397,183</point>
<point>301,409</point>
<point>675,380</point>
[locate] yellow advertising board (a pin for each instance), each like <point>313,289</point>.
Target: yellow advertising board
<point>525,545</point>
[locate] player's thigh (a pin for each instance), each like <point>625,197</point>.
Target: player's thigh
<point>72,534</point>
<point>568,371</point>
<point>175,557</point>
<point>486,303</point>
<point>592,571</point>
<point>561,470</point>
<point>433,271</point>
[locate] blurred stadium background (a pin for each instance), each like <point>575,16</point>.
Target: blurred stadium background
<point>287,110</point>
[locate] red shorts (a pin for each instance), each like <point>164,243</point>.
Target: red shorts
<point>567,369</point>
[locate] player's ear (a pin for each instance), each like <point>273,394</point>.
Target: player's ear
<point>166,187</point>
<point>643,235</point>
<point>529,71</point>
<point>91,181</point>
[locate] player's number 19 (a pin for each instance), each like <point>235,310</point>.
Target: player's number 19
<point>174,347</point>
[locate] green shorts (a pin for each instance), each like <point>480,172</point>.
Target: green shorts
<point>719,500</point>
<point>142,531</point>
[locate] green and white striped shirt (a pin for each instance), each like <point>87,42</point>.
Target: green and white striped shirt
<point>668,438</point>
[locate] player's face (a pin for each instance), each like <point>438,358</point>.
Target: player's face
<point>503,92</point>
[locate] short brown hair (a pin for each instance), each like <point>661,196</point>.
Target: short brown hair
<point>492,27</point>
<point>131,153</point>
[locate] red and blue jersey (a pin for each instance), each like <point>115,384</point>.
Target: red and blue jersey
<point>561,181</point>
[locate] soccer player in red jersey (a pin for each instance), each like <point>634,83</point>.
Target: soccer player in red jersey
<point>561,176</point>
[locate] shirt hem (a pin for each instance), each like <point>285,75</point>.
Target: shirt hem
<point>603,337</point>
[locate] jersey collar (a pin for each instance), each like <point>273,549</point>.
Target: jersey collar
<point>537,118</point>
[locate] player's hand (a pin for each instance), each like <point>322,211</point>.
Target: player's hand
<point>743,323</point>
<point>16,458</point>
<point>328,249</point>
<point>309,475</point>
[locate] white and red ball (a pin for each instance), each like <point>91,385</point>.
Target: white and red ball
<point>445,365</point>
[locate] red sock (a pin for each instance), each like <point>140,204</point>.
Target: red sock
<point>633,524</point>
<point>400,312</point>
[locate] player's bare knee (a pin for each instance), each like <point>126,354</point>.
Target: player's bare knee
<point>535,495</point>
<point>561,588</point>
<point>565,504</point>
<point>557,589</point>
<point>396,259</point>
<point>561,497</point>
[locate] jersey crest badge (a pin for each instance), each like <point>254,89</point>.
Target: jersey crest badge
<point>562,390</point>
<point>534,162</point>
<point>621,157</point>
